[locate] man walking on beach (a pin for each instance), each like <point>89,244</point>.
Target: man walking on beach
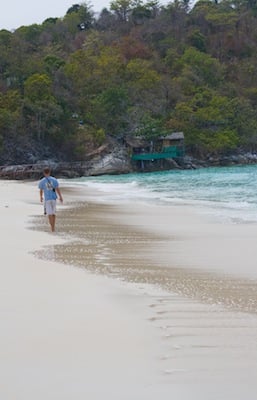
<point>48,187</point>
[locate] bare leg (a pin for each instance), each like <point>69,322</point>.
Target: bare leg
<point>51,219</point>
<point>53,222</point>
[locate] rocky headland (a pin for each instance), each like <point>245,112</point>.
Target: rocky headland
<point>115,159</point>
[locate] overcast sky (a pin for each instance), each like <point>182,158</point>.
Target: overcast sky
<point>28,12</point>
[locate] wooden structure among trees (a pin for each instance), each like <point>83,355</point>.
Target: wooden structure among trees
<point>162,148</point>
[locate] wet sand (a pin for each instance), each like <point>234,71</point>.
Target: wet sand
<point>167,288</point>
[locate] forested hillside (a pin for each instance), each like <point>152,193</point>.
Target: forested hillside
<point>134,69</point>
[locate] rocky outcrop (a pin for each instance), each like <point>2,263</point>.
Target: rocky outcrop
<point>117,162</point>
<point>241,158</point>
<point>114,159</point>
<point>114,162</point>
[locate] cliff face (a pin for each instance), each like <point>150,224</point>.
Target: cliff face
<point>110,158</point>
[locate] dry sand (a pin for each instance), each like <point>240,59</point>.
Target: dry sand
<point>171,312</point>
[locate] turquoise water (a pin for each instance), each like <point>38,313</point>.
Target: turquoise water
<point>229,193</point>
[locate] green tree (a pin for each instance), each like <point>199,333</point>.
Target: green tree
<point>40,108</point>
<point>79,16</point>
<point>38,87</point>
<point>53,63</point>
<point>203,69</point>
<point>122,9</point>
<point>209,122</point>
<point>110,110</point>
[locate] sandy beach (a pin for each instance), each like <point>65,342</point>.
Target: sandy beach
<point>124,302</point>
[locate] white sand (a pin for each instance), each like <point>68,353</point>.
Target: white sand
<point>67,334</point>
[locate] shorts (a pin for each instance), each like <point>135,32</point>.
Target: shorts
<point>50,207</point>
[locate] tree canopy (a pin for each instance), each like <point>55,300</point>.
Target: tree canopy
<point>135,68</point>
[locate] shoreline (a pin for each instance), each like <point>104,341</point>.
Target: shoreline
<point>133,339</point>
<point>215,261</point>
<point>125,243</point>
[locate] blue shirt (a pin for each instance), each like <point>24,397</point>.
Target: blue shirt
<point>48,185</point>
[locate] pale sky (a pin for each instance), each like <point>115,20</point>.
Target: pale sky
<point>28,12</point>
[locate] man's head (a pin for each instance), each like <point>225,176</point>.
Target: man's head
<point>47,171</point>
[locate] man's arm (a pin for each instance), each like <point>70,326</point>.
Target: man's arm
<point>41,195</point>
<point>59,194</point>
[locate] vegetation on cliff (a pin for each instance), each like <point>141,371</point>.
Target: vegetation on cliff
<point>134,69</point>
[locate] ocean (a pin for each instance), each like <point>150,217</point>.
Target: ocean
<point>228,194</point>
